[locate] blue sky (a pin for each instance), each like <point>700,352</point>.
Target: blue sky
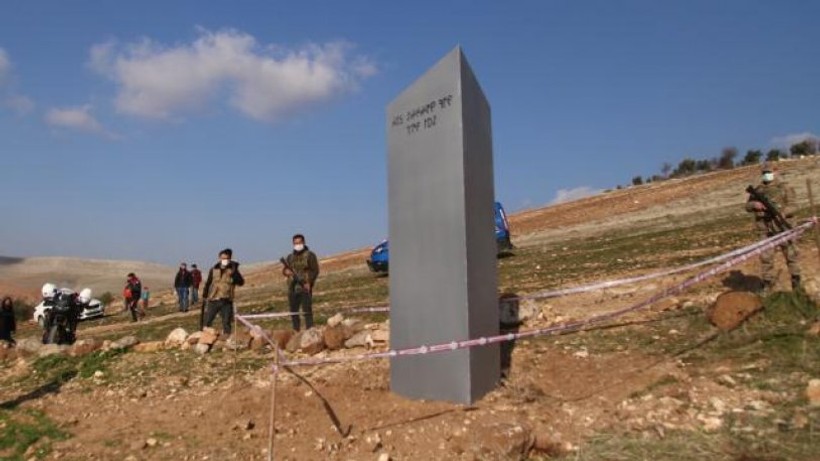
<point>165,131</point>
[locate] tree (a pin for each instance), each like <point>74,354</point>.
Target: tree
<point>637,181</point>
<point>752,157</point>
<point>727,158</point>
<point>803,148</point>
<point>703,165</point>
<point>685,167</point>
<point>665,169</point>
<point>774,155</point>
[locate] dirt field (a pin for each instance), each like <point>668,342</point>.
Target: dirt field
<point>658,384</point>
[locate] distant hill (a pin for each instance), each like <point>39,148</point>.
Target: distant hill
<point>23,277</point>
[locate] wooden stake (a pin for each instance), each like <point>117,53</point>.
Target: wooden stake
<point>814,214</point>
<point>272,429</point>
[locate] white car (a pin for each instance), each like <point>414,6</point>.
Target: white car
<point>94,309</point>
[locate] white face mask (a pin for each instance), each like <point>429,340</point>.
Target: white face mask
<point>224,262</point>
<point>299,247</point>
<point>768,177</point>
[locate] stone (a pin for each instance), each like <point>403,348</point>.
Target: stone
<point>548,444</point>
<point>354,325</point>
<point>209,336</point>
<point>733,308</point>
<point>293,342</point>
<point>124,342</point>
<point>380,336</point>
<point>281,337</point>
<point>360,339</point>
<point>814,329</point>
<point>813,392</point>
<point>28,346</point>
<point>51,349</point>
<point>384,457</point>
<point>84,346</point>
<point>193,338</point>
<point>176,337</point>
<point>335,320</point>
<point>334,336</point>
<point>6,352</point>
<point>311,341</point>
<point>667,304</point>
<point>149,347</point>
<point>202,348</point>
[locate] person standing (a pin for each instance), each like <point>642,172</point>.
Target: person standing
<point>301,271</point>
<point>134,287</point>
<point>8,325</point>
<point>782,197</point>
<point>182,283</point>
<point>223,278</point>
<point>196,280</point>
<point>145,298</point>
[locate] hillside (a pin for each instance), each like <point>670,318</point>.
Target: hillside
<point>659,383</point>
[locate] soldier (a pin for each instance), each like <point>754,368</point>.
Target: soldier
<point>781,196</point>
<point>301,270</point>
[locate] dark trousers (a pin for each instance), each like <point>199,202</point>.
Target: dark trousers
<point>133,306</point>
<point>225,309</point>
<point>305,299</point>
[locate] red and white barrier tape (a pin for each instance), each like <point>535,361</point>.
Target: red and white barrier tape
<point>766,245</point>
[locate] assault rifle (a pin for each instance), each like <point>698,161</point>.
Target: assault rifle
<point>297,280</point>
<point>771,210</point>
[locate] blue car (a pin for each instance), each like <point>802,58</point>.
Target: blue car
<point>380,255</point>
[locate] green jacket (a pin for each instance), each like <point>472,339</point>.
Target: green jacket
<point>306,266</point>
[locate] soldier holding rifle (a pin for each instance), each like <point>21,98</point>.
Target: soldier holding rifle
<point>772,202</point>
<point>301,268</point>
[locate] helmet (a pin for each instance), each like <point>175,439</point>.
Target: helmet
<point>85,296</point>
<point>48,290</point>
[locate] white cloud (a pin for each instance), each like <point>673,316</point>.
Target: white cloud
<point>789,140</point>
<point>568,195</point>
<point>19,103</point>
<point>261,82</point>
<point>76,118</point>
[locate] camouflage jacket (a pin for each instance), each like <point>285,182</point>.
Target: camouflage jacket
<point>306,266</point>
<point>781,196</point>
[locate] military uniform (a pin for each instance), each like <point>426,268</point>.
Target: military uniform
<point>306,267</point>
<point>781,196</point>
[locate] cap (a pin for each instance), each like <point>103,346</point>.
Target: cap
<point>226,251</point>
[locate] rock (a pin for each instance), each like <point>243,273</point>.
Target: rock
<point>209,336</point>
<point>528,310</point>
<point>710,423</point>
<point>193,338</point>
<point>667,304</point>
<point>293,342</point>
<point>28,346</point>
<point>281,337</point>
<point>234,343</point>
<point>124,342</point>
<point>360,339</point>
<point>151,442</point>
<point>149,347</point>
<point>176,337</point>
<point>384,457</point>
<point>311,341</point>
<point>550,445</point>
<point>353,325</point>
<point>380,336</point>
<point>733,308</point>
<point>335,320</point>
<point>814,329</point>
<point>510,441</point>
<point>51,349</point>
<point>813,392</point>
<point>334,336</point>
<point>7,352</point>
<point>202,349</point>
<point>84,347</point>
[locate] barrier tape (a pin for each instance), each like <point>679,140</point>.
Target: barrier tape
<point>354,310</point>
<point>765,245</point>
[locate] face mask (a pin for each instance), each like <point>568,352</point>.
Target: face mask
<point>299,247</point>
<point>224,262</point>
<point>768,177</point>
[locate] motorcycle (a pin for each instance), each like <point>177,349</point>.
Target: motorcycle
<point>62,316</point>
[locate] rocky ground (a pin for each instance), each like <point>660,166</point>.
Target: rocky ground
<point>663,383</point>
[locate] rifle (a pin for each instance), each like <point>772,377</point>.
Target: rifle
<point>296,278</point>
<point>771,210</point>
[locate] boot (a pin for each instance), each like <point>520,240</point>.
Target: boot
<point>795,282</point>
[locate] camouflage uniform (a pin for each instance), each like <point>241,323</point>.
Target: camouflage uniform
<point>781,196</point>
